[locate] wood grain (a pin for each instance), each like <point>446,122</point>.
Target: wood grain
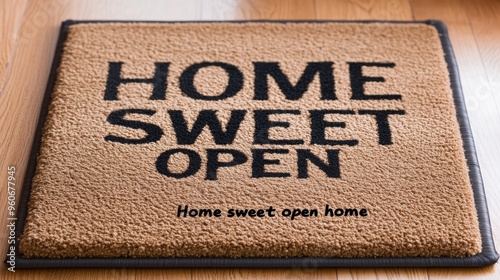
<point>11,17</point>
<point>363,10</point>
<point>257,9</point>
<point>484,21</point>
<point>29,33</point>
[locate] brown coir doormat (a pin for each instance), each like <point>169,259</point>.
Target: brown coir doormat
<point>254,144</point>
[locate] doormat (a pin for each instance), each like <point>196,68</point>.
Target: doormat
<point>254,144</point>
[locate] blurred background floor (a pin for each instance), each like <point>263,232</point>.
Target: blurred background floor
<point>29,30</point>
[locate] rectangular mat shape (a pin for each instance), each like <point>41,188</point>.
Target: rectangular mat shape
<point>156,140</point>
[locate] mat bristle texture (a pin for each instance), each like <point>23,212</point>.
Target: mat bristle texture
<point>93,196</point>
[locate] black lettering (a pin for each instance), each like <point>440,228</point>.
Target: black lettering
<point>319,125</point>
<point>263,124</point>
<point>264,69</point>
<point>313,212</point>
<point>234,85</point>
<point>384,130</point>
<point>363,213</point>
<point>213,162</point>
<point>181,211</point>
<point>286,212</point>
<point>206,118</point>
<point>259,163</point>
<point>358,81</point>
<point>193,213</point>
<point>270,211</point>
<point>205,213</point>
<point>296,213</point>
<point>332,169</point>
<point>193,167</point>
<point>328,211</point>
<point>339,212</point>
<point>154,132</point>
<point>241,213</point>
<point>351,212</point>
<point>159,81</point>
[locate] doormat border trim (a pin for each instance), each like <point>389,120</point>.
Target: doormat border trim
<point>487,256</point>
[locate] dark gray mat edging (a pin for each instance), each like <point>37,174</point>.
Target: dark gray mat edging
<point>487,256</point>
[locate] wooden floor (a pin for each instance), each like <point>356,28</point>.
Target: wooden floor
<point>29,31</point>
